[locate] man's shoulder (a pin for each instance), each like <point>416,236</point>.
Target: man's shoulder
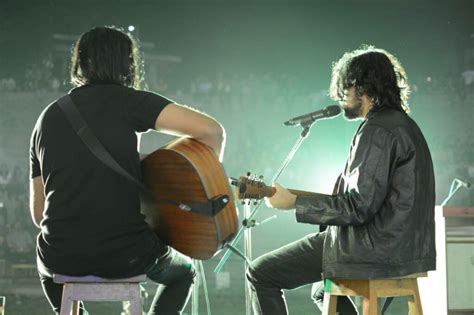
<point>388,119</point>
<point>385,125</point>
<point>401,127</point>
<point>48,112</point>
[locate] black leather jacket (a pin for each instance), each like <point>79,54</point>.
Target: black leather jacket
<point>381,217</point>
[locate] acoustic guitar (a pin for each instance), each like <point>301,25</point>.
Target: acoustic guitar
<point>189,203</point>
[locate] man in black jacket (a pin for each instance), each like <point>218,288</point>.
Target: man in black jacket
<point>381,215</point>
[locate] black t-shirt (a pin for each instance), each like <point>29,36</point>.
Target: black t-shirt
<point>92,222</point>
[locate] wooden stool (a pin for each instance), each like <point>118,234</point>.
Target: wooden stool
<point>371,290</point>
<point>2,305</point>
<point>91,288</point>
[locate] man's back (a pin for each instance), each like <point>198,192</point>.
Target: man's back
<point>89,216</point>
<point>92,213</point>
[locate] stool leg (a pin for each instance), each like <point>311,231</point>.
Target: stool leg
<point>329,304</point>
<point>136,301</point>
<point>370,305</point>
<point>66,301</point>
<point>75,307</point>
<point>414,301</point>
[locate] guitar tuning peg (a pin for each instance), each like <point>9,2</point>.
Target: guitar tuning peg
<point>248,173</point>
<point>243,202</point>
<point>255,202</point>
<point>260,177</point>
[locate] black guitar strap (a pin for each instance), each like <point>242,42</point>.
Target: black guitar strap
<point>209,208</point>
<point>90,140</point>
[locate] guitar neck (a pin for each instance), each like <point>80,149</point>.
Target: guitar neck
<point>250,188</point>
<point>272,191</point>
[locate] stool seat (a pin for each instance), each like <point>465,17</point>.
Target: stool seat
<point>371,290</point>
<point>93,288</point>
<point>58,278</point>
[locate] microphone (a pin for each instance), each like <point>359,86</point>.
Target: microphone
<point>303,120</point>
<point>462,183</point>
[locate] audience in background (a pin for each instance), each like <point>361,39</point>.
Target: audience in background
<point>5,175</point>
<point>237,100</point>
<point>17,233</point>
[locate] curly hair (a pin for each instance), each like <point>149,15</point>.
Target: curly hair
<point>373,72</point>
<point>106,55</point>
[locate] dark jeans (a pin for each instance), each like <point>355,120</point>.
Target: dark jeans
<point>289,267</point>
<point>174,273</point>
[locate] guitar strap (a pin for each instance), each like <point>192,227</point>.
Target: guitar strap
<point>209,208</point>
<point>90,140</point>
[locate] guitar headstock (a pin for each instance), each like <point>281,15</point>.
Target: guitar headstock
<point>252,187</point>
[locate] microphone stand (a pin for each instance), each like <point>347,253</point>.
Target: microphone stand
<point>249,221</point>
<point>452,191</point>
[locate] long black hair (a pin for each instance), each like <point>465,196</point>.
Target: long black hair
<point>106,55</point>
<point>373,72</point>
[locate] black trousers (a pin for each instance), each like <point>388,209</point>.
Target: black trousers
<point>289,267</point>
<point>174,273</point>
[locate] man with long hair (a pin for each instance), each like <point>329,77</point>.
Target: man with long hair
<point>380,216</point>
<point>89,215</point>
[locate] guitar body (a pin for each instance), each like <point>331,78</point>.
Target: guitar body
<point>187,171</point>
